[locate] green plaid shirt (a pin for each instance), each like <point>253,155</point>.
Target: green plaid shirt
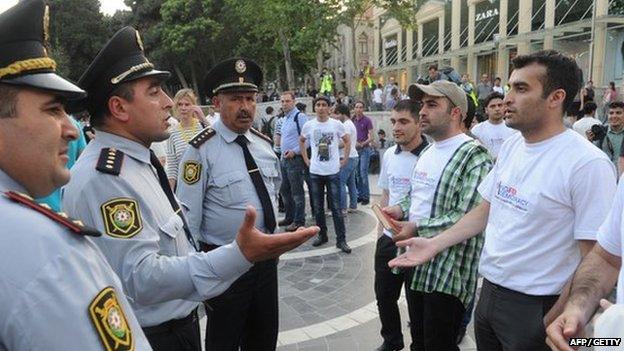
<point>454,270</point>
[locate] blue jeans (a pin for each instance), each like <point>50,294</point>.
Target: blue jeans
<point>332,183</point>
<point>347,179</point>
<point>363,190</point>
<point>293,174</point>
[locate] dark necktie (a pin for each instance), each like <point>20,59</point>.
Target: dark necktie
<point>261,190</point>
<point>164,184</point>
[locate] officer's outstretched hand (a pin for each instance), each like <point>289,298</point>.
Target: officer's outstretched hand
<point>257,246</point>
<point>419,251</point>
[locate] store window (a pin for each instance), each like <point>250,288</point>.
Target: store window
<point>391,47</point>
<point>486,20</point>
<point>430,38</point>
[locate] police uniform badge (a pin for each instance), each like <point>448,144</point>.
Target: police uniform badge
<point>110,321</point>
<point>192,172</point>
<point>240,66</point>
<point>122,218</point>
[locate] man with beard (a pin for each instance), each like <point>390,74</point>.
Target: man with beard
<point>226,168</point>
<point>120,188</point>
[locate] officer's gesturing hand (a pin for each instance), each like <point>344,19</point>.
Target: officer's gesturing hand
<point>257,246</point>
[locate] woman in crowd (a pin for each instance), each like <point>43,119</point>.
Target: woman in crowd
<point>191,120</point>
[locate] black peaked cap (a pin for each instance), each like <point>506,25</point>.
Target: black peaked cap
<point>121,60</point>
<point>24,58</point>
<point>234,74</point>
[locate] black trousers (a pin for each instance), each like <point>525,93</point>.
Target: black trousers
<point>387,292</point>
<point>510,320</point>
<point>438,320</point>
<point>178,334</point>
<point>245,315</point>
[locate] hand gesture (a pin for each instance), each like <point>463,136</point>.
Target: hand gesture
<point>420,251</point>
<point>568,325</point>
<point>257,246</point>
<point>406,230</point>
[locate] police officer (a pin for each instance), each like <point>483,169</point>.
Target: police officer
<point>57,292</point>
<point>120,188</point>
<point>226,168</point>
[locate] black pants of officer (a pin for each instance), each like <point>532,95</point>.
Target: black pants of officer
<point>387,292</point>
<point>245,315</point>
<point>178,334</point>
<point>510,320</point>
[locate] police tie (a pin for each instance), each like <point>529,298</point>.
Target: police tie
<point>164,184</point>
<point>261,190</point>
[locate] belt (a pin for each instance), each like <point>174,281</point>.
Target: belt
<point>172,324</point>
<point>501,288</point>
<point>207,247</point>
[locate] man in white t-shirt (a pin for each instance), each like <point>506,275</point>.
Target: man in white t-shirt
<point>493,131</point>
<point>324,135</point>
<point>588,120</point>
<point>378,99</point>
<point>394,180</point>
<point>545,198</point>
<point>443,187</point>
<point>348,172</point>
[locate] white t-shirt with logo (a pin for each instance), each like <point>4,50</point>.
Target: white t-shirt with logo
<point>427,173</point>
<point>611,235</point>
<point>396,172</point>
<point>543,198</point>
<point>350,128</point>
<point>324,139</point>
<point>492,135</point>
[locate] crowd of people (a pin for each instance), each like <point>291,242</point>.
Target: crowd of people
<point>146,235</point>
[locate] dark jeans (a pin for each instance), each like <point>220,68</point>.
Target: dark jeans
<point>182,334</point>
<point>387,292</point>
<point>293,175</point>
<point>437,323</point>
<point>347,180</point>
<point>246,314</point>
<point>362,183</point>
<point>317,192</point>
<point>510,320</point>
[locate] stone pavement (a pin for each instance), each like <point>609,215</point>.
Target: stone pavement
<point>327,301</point>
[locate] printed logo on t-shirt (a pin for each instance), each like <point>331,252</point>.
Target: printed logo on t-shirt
<point>423,178</point>
<point>323,140</point>
<point>399,184</point>
<point>510,195</point>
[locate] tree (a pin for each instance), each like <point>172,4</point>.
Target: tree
<point>77,33</point>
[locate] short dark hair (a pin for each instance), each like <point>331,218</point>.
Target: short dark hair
<point>289,92</point>
<point>409,105</point>
<point>342,109</point>
<point>359,102</point>
<point>124,90</point>
<point>8,101</point>
<point>301,106</point>
<point>433,66</point>
<point>589,108</point>
<point>616,104</point>
<point>470,113</point>
<point>562,72</point>
<point>492,96</point>
<point>269,110</point>
<point>322,97</point>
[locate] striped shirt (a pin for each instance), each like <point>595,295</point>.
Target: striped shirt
<point>176,145</point>
<point>454,270</point>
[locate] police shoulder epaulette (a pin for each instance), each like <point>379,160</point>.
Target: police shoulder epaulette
<point>74,225</point>
<point>201,137</point>
<point>264,137</point>
<point>110,161</point>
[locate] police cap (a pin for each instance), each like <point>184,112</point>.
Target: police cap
<point>235,74</point>
<point>121,60</point>
<point>24,58</point>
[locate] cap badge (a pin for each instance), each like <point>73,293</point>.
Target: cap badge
<point>240,66</point>
<point>138,39</point>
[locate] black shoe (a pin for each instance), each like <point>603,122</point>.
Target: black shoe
<point>281,210</point>
<point>365,202</point>
<point>460,335</point>
<point>320,240</point>
<point>284,222</point>
<point>343,246</point>
<point>292,227</point>
<point>386,347</point>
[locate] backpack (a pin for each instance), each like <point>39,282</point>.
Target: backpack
<point>267,127</point>
<point>452,75</point>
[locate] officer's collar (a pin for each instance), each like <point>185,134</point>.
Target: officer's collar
<point>9,184</point>
<point>292,112</point>
<point>227,134</point>
<point>417,151</point>
<point>129,147</point>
